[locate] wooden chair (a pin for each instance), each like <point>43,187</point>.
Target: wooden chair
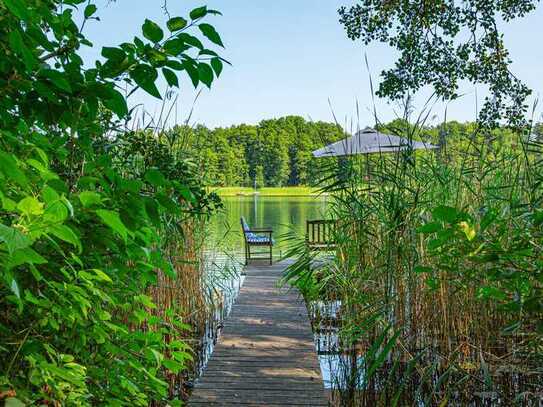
<point>256,238</point>
<point>319,235</point>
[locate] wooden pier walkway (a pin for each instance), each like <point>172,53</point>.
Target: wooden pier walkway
<point>266,354</point>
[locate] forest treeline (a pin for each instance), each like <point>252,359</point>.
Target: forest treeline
<point>277,152</point>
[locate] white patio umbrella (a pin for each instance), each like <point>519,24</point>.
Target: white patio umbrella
<point>369,141</point>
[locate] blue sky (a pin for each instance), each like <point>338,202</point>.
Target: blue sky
<point>292,57</point>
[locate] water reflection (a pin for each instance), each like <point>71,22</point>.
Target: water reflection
<point>278,213</point>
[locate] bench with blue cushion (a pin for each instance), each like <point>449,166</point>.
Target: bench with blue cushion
<point>258,238</point>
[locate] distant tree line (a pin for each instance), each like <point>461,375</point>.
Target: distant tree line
<point>277,152</point>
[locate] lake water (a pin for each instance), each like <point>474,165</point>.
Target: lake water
<point>281,214</point>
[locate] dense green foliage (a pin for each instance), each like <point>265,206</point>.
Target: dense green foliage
<point>438,269</point>
<point>443,42</point>
<point>88,213</point>
<point>276,152</point>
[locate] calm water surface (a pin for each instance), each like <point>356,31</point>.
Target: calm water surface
<point>281,214</point>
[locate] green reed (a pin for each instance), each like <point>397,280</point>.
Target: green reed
<point>438,270</point>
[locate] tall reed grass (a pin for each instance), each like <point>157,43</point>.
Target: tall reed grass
<point>437,269</point>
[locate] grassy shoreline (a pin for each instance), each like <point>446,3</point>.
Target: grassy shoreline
<point>268,191</point>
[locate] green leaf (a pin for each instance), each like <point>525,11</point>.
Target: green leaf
<point>490,292</point>
<point>100,275</point>
<point>113,53</point>
<point>13,238</point>
<point>55,212</point>
<point>145,76</point>
<point>205,73</point>
<point>198,12</point>
<point>151,208</point>
<point>173,365</point>
<point>64,232</point>
<point>217,66</point>
<point>192,72</point>
<point>155,178</point>
<point>211,34</point>
<point>445,214</point>
<point>116,102</point>
<point>431,227</point>
<point>191,40</point>
<point>488,219</point>
<point>30,206</point>
<point>176,24</point>
<point>18,46</point>
<point>152,31</point>
<point>9,167</point>
<point>26,255</point>
<point>12,401</point>
<point>175,46</point>
<point>171,77</point>
<point>90,10</point>
<point>113,220</point>
<point>57,78</point>
<point>145,300</point>
<point>17,8</point>
<point>175,65</point>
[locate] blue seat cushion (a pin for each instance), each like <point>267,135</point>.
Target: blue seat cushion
<point>254,238</point>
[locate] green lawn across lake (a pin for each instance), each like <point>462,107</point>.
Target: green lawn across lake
<point>268,191</point>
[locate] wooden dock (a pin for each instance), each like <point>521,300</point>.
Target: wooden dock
<point>266,354</point>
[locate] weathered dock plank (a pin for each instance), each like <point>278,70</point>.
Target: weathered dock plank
<point>266,355</point>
